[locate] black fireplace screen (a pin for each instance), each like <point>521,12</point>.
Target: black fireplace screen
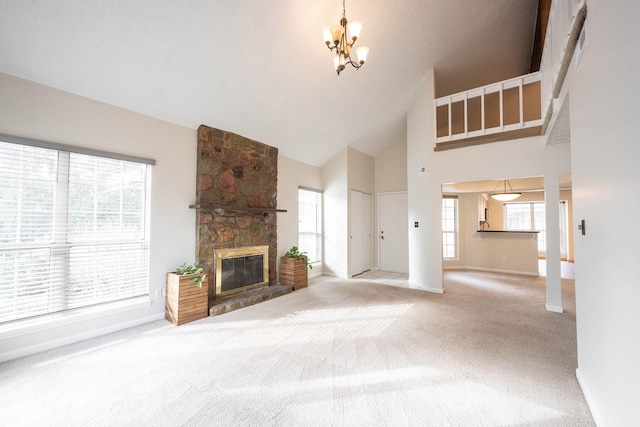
<point>242,271</point>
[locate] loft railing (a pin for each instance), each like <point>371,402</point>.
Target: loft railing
<point>521,105</point>
<point>505,106</point>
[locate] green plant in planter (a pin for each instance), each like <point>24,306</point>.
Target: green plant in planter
<point>295,253</point>
<point>185,270</point>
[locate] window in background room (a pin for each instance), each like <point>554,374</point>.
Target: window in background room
<point>449,227</point>
<point>527,216</point>
<point>74,229</point>
<point>310,223</point>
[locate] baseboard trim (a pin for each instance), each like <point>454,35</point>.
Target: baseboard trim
<point>425,288</point>
<point>587,397</point>
<point>554,308</point>
<point>37,348</point>
<point>492,270</point>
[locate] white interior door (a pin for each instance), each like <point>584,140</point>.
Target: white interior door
<point>393,234</point>
<point>359,232</point>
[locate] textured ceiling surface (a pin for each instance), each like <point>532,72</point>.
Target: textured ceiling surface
<point>260,68</point>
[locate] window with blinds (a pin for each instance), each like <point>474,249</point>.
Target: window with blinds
<point>74,230</point>
<point>310,223</point>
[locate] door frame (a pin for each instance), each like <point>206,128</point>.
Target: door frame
<point>378,251</point>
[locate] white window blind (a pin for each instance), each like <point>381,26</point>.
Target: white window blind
<point>74,230</point>
<point>310,223</point>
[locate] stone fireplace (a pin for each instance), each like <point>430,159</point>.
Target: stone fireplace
<point>236,203</point>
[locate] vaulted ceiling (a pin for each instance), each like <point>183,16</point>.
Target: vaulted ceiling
<point>260,68</point>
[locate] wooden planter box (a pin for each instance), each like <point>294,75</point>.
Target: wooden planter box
<point>293,272</point>
<point>185,301</point>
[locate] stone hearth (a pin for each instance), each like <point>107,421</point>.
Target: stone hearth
<point>247,298</point>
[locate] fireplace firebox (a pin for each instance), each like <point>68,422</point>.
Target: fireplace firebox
<point>241,269</point>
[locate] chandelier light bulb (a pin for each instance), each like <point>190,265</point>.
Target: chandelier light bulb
<point>354,29</point>
<point>326,33</point>
<point>339,62</point>
<point>336,32</point>
<point>362,53</point>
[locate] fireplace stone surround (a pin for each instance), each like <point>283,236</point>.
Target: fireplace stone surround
<point>236,200</point>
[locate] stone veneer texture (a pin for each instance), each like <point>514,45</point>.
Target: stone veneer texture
<point>235,174</point>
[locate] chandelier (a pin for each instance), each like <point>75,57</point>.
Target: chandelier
<point>505,196</point>
<point>336,38</point>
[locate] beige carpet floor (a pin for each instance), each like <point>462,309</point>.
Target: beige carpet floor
<point>355,353</point>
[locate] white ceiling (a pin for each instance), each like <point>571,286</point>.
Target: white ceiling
<point>260,68</point>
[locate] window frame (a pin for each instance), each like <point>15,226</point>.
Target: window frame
<point>541,238</point>
<point>61,244</point>
<point>319,225</point>
<point>455,232</point>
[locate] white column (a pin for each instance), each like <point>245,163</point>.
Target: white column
<point>552,201</point>
<point>424,193</point>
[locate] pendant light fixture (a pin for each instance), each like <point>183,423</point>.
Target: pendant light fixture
<point>335,37</point>
<point>505,196</point>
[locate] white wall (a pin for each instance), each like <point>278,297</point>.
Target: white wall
<point>390,175</point>
<point>605,154</point>
<point>291,175</point>
<point>424,192</point>
<point>335,211</point>
<point>391,168</point>
<point>524,157</point>
<point>348,170</point>
<point>35,111</point>
<point>360,170</point>
<point>361,177</point>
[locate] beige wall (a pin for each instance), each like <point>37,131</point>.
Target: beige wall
<point>391,168</point>
<point>360,169</point>
<point>350,169</point>
<point>496,210</point>
<point>291,175</point>
<point>335,211</point>
<point>486,251</point>
<point>35,111</point>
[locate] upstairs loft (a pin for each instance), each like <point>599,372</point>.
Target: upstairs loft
<point>518,107</point>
